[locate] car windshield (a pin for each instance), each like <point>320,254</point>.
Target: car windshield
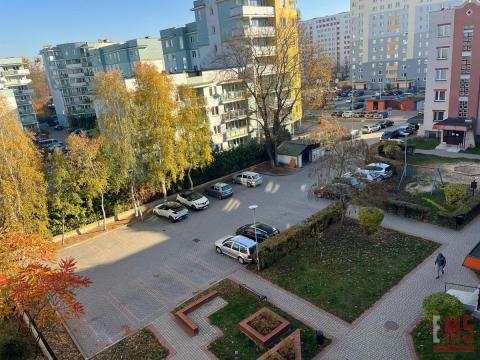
<point>192,196</point>
<point>226,188</point>
<point>387,133</point>
<point>263,227</point>
<point>388,168</point>
<point>256,176</point>
<point>251,249</point>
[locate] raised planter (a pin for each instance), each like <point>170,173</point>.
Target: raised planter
<point>247,327</point>
<point>280,350</point>
<point>181,315</point>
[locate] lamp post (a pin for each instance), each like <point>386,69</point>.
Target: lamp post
<point>253,208</point>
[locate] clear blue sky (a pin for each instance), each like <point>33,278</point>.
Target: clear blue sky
<point>27,25</point>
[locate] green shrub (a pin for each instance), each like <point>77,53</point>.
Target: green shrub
<point>454,193</point>
<point>392,151</point>
<point>274,248</point>
<point>407,209</point>
<point>370,218</point>
<point>335,191</point>
<point>441,304</point>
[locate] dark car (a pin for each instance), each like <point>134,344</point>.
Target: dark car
<point>219,190</point>
<point>393,134</point>
<point>59,127</point>
<point>359,114</point>
<point>264,231</point>
<point>385,123</point>
<point>337,113</point>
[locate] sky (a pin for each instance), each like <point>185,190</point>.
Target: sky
<point>27,25</point>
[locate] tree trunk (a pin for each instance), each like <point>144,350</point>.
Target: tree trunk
<point>164,189</point>
<point>63,229</point>
<point>190,178</point>
<point>102,197</point>
<point>132,192</point>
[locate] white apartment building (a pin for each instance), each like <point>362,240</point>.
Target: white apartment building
<point>14,76</point>
<point>332,35</point>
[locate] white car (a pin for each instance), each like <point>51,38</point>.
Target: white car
<point>193,200</point>
<point>248,178</point>
<point>384,170</point>
<point>369,129</point>
<point>368,175</point>
<point>171,210</point>
<point>348,114</point>
<point>355,134</point>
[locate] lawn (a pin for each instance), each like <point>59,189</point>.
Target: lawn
<point>234,344</point>
<point>423,159</point>
<point>344,271</point>
<point>422,339</point>
<point>435,202</point>
<point>475,150</point>
<point>424,143</point>
<point>141,345</point>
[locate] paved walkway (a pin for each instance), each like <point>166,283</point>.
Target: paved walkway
<point>444,153</point>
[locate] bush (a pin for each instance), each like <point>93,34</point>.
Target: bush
<point>407,209</point>
<point>441,304</point>
<point>274,248</point>
<point>454,193</point>
<point>336,191</point>
<point>370,218</point>
<point>392,151</point>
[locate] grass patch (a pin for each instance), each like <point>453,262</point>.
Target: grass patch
<point>422,339</point>
<point>435,201</point>
<point>141,345</point>
<point>475,150</point>
<point>344,271</point>
<point>242,303</point>
<point>424,143</point>
<point>422,159</point>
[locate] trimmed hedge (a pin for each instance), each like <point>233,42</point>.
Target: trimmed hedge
<point>296,236</point>
<point>370,218</point>
<point>407,209</point>
<point>454,193</point>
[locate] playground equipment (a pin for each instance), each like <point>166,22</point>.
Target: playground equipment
<point>437,174</point>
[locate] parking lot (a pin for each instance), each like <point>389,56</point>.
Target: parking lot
<point>143,270</point>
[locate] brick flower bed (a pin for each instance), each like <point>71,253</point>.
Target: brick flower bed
<point>289,348</point>
<point>264,326</point>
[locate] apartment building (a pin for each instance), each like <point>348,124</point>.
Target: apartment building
<point>197,46</point>
<point>71,67</point>
<point>453,78</point>
<point>390,42</point>
<point>332,35</point>
<point>14,76</point>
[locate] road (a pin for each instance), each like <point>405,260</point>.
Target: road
<point>142,271</point>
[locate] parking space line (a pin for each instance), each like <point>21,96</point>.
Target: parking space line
<point>123,309</point>
<point>155,293</point>
<point>180,277</point>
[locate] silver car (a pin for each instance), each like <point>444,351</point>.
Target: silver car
<point>193,200</point>
<point>238,247</point>
<point>248,178</point>
<point>219,190</point>
<point>171,210</point>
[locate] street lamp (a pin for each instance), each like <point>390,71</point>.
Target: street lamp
<point>253,208</point>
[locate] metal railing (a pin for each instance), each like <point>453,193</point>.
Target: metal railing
<point>39,338</point>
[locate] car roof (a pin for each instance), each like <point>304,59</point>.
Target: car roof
<point>221,184</point>
<point>383,165</point>
<point>242,240</point>
<point>248,173</point>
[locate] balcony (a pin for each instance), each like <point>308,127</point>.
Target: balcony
<point>231,96</point>
<point>260,51</point>
<point>234,115</point>
<point>17,82</point>
<point>76,75</point>
<point>79,84</point>
<point>23,92</point>
<point>15,72</point>
<point>74,66</point>
<point>235,133</point>
<point>254,31</point>
<point>252,11</point>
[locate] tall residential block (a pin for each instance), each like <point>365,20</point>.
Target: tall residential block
<point>14,76</point>
<point>390,42</point>
<point>197,47</point>
<point>71,67</point>
<point>452,97</point>
<point>332,35</point>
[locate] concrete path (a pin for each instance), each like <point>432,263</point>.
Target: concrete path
<point>444,153</point>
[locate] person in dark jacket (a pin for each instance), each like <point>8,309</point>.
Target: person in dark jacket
<point>440,263</point>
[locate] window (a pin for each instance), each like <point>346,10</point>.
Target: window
<point>443,30</point>
<point>462,108</point>
<point>438,115</point>
<point>180,40</point>
<point>442,53</point>
<point>439,95</point>
<point>464,87</point>
<point>466,65</point>
<point>214,110</point>
<point>217,129</point>
<point>194,54</point>
<point>467,40</point>
<point>214,30</point>
<point>235,247</point>
<point>441,74</point>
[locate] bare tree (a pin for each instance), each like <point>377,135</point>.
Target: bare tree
<point>267,61</point>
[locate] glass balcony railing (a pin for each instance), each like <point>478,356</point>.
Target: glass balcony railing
<point>234,114</point>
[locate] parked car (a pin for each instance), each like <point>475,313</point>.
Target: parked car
<point>248,178</point>
<point>348,114</point>
<point>45,143</point>
<point>382,169</point>
<point>171,210</point>
<point>408,128</point>
<point>263,231</point>
<point>368,175</point>
<point>56,145</point>
<point>219,190</point>
<point>352,181</point>
<point>385,123</point>
<point>59,127</point>
<point>380,115</point>
<point>359,114</point>
<point>355,133</point>
<point>370,128</point>
<point>238,247</point>
<point>193,200</point>
<point>370,115</point>
<point>390,135</point>
<point>337,113</point>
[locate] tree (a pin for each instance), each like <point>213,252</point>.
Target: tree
<point>89,168</point>
<point>270,70</point>
<point>162,162</point>
<point>119,126</point>
<point>41,93</point>
<point>23,201</point>
<point>194,132</point>
<point>64,195</point>
<point>29,283</point>
<point>370,218</point>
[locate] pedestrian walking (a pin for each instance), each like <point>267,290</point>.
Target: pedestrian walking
<point>440,263</point>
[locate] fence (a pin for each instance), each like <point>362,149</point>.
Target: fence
<point>39,339</point>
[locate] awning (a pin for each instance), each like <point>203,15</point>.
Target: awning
<point>472,260</point>
<point>456,124</point>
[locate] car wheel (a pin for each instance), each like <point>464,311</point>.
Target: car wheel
<point>249,185</point>
<point>218,250</point>
<point>382,178</point>
<point>171,219</point>
<point>240,260</point>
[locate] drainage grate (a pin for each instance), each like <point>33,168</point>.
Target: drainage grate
<point>391,326</point>
<point>196,240</point>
